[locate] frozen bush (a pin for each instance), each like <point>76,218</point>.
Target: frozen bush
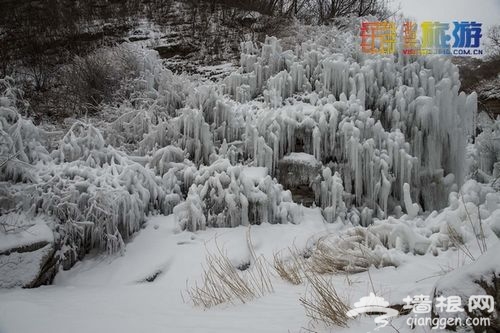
<point>354,250</point>
<point>489,149</point>
<point>229,196</point>
<point>20,141</point>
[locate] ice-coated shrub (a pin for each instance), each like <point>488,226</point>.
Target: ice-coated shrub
<point>353,250</point>
<point>176,170</point>
<point>488,145</point>
<point>99,191</point>
<point>108,202</point>
<point>142,113</point>
<point>190,212</point>
<point>20,139</point>
<point>97,195</point>
<point>330,195</point>
<point>160,135</point>
<point>223,195</point>
<point>196,137</point>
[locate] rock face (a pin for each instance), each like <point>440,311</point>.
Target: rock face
<point>182,50</point>
<point>27,258</point>
<point>481,278</point>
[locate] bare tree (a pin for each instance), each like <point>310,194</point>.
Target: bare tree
<point>494,41</point>
<point>325,10</point>
<point>328,10</point>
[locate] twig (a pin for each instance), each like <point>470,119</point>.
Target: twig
<point>472,224</point>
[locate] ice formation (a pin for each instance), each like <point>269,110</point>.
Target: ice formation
<point>21,142</point>
<point>331,194</point>
<point>98,195</point>
<point>380,123</point>
<point>224,195</point>
<point>411,208</point>
<point>369,126</point>
<point>488,152</point>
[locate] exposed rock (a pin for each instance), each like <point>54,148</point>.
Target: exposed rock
<point>298,169</point>
<point>298,172</point>
<point>249,18</point>
<point>182,50</point>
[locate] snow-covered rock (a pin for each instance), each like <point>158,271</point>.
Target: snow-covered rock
<point>26,252</point>
<point>479,278</point>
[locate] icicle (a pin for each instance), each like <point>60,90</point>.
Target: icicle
<point>316,143</point>
<point>411,208</point>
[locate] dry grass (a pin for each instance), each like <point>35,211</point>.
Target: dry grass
<point>458,242</point>
<point>457,239</point>
<point>322,303</point>
<point>289,269</point>
<point>222,282</point>
<point>479,235</point>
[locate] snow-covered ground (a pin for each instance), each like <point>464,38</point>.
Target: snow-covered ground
<point>112,294</point>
